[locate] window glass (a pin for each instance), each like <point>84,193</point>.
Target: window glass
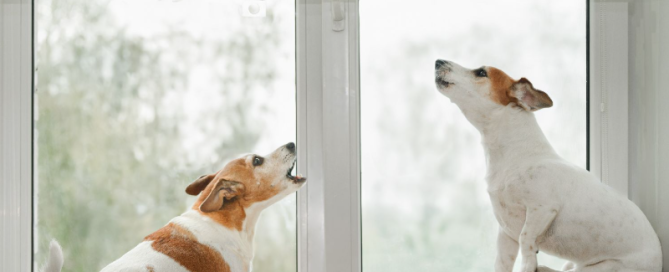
<point>424,201</point>
<point>136,99</point>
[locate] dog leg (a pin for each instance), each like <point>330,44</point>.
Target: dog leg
<point>537,220</point>
<point>568,266</point>
<point>507,250</point>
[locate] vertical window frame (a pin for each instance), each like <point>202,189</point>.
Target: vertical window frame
<point>608,93</point>
<point>328,124</point>
<point>16,135</point>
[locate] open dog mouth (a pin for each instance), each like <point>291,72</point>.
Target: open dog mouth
<point>441,82</point>
<point>297,178</point>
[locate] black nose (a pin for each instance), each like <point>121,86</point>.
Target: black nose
<point>439,63</point>
<point>291,147</point>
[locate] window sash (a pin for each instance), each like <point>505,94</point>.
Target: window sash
<point>332,148</point>
<point>608,88</point>
<point>328,120</point>
<point>328,124</point>
<point>16,134</point>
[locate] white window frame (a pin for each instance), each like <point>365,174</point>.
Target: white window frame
<point>610,117</point>
<point>328,127</point>
<point>609,91</point>
<point>16,132</point>
<point>328,130</point>
<point>328,124</point>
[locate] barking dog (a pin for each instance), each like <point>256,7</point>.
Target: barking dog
<point>217,233</point>
<point>541,201</point>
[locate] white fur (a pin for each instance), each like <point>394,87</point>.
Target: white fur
<point>235,247</point>
<point>141,257</point>
<point>543,202</point>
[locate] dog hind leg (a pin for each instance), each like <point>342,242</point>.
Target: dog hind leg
<point>603,266</point>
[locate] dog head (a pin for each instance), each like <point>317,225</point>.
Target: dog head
<point>251,180</point>
<point>481,90</point>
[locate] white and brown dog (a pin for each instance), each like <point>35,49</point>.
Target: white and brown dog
<point>541,201</point>
<point>217,233</point>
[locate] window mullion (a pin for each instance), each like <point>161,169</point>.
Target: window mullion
<point>609,94</point>
<point>329,134</point>
<point>16,135</point>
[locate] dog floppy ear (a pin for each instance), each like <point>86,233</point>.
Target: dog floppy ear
<point>223,190</point>
<point>528,97</point>
<point>199,184</point>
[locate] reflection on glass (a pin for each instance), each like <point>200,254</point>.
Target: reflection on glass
<point>424,200</point>
<point>136,99</point>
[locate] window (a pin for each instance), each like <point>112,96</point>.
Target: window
<point>424,201</point>
<point>136,99</point>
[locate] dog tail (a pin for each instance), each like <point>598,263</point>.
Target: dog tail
<point>55,261</point>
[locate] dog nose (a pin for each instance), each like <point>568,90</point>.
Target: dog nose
<point>291,147</point>
<point>439,63</point>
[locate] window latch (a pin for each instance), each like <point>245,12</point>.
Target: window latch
<point>338,15</point>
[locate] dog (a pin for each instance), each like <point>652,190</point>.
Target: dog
<point>542,202</point>
<point>216,234</point>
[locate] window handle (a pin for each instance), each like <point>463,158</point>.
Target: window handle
<point>338,15</point>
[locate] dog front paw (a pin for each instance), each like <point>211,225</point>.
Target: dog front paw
<point>530,265</point>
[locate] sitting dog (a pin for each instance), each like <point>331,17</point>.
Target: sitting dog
<point>217,233</point>
<point>541,201</point>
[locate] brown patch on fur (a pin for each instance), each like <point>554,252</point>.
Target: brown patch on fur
<point>231,215</point>
<point>199,184</point>
<point>150,268</point>
<point>182,246</point>
<point>223,192</point>
<point>500,90</point>
<point>256,189</point>
<point>532,99</point>
<point>504,91</point>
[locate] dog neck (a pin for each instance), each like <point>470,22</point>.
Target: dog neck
<point>233,229</point>
<point>510,136</point>
<point>234,242</point>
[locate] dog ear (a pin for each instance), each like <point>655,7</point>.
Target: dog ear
<point>528,97</point>
<point>199,184</point>
<point>223,190</point>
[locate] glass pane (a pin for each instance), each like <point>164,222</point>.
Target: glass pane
<point>424,201</point>
<point>136,99</point>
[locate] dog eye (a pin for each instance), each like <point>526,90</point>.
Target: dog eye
<point>481,73</point>
<point>257,161</point>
